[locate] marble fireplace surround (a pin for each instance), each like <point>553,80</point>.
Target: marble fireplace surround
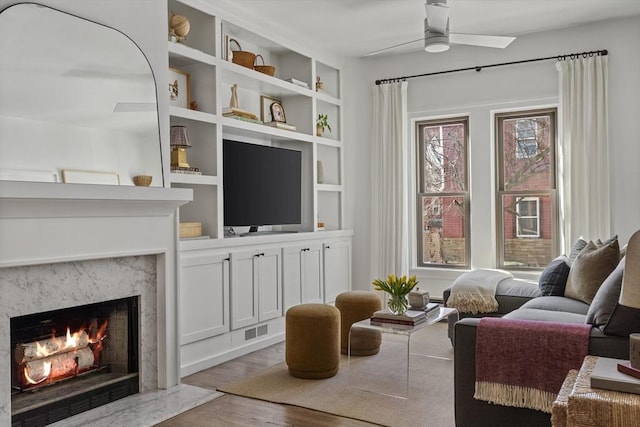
<point>64,245</point>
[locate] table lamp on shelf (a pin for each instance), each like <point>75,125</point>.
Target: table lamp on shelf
<point>179,144</point>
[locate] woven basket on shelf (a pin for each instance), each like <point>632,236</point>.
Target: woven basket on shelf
<point>265,69</point>
<point>242,57</point>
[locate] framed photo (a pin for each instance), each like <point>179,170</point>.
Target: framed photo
<point>277,112</point>
<point>179,88</point>
<point>265,108</point>
<point>70,176</point>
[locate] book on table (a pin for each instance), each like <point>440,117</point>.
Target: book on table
<point>411,317</point>
<point>626,368</point>
<point>606,376</point>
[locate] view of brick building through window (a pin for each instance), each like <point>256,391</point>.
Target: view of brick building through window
<point>526,193</point>
<point>443,192</point>
<point>525,172</point>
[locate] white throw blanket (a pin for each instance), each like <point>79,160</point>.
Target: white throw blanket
<point>475,292</point>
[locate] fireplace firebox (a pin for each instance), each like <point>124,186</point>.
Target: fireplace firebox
<point>72,360</point>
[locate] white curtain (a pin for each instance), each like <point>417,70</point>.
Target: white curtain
<point>389,211</point>
<point>583,157</point>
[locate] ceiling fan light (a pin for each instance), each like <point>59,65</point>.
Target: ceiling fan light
<point>434,43</point>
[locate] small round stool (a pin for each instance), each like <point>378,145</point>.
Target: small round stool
<point>355,306</point>
<point>312,341</point>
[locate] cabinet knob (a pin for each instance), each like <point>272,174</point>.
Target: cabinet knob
<point>327,247</point>
<point>227,259</point>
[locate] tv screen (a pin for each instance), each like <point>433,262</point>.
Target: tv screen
<point>262,185</point>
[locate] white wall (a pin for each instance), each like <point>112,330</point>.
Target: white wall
<point>478,94</point>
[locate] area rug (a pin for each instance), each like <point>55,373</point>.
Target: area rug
<point>430,391</point>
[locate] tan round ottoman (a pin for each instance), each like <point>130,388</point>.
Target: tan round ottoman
<point>312,341</point>
<point>355,306</point>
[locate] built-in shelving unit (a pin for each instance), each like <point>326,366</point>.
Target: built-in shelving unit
<point>210,266</point>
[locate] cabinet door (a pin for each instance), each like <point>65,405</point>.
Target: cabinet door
<point>292,275</point>
<point>244,291</point>
<point>311,288</point>
<point>337,269</point>
<point>204,296</point>
<point>269,284</point>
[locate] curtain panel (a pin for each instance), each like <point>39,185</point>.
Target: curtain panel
<point>583,155</point>
<point>389,198</point>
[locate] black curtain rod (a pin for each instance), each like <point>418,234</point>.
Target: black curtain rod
<point>478,68</point>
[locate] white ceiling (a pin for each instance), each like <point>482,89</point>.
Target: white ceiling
<point>355,27</point>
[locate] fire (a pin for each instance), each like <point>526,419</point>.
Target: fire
<point>47,372</point>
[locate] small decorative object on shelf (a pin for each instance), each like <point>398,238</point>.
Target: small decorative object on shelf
<point>322,122</point>
<point>233,102</point>
<point>242,57</point>
<point>320,225</point>
<point>277,112</point>
<point>179,88</point>
<point>179,143</point>
<point>142,180</point>
<point>319,84</point>
<point>398,289</point>
<point>179,27</point>
<point>269,70</point>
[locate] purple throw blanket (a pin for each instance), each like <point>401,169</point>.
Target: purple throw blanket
<point>523,363</point>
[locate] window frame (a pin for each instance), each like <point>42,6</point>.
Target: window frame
<point>420,190</point>
<point>500,192</point>
<point>520,216</point>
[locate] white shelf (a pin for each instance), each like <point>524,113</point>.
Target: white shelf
<point>258,82</point>
<point>327,141</point>
<point>186,113</point>
<point>330,187</point>
<point>239,127</point>
<point>186,178</point>
<point>180,55</point>
<point>328,99</point>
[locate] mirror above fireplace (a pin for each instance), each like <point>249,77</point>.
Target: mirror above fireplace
<point>77,101</point>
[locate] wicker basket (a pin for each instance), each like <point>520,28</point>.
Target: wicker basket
<point>265,69</point>
<point>242,57</point>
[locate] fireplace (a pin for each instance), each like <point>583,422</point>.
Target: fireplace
<point>71,360</point>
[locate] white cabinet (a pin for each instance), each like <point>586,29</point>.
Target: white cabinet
<point>337,269</point>
<point>204,296</point>
<point>302,274</point>
<point>256,287</point>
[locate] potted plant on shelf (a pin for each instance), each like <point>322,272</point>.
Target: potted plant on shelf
<point>321,123</point>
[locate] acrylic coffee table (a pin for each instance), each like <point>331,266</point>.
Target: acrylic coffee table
<point>393,381</point>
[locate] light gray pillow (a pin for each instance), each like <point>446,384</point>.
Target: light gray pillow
<point>591,267</point>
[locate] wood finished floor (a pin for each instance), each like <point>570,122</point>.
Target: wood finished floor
<point>236,411</point>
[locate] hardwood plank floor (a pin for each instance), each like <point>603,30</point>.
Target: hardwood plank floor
<point>236,411</point>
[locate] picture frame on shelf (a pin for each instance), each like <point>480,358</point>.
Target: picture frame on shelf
<point>277,112</point>
<point>179,88</point>
<point>265,108</point>
<point>73,176</point>
<point>227,53</point>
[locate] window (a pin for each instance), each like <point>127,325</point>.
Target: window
<point>443,199</point>
<point>528,217</point>
<point>526,179</point>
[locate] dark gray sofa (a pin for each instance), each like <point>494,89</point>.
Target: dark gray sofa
<point>522,300</point>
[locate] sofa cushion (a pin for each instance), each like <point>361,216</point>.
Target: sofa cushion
<point>545,315</point>
<point>592,266</point>
<point>606,299</point>
<point>578,246</point>
<point>554,277</point>
<point>555,303</point>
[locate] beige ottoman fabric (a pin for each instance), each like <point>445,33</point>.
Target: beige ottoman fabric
<point>355,306</point>
<point>312,346</point>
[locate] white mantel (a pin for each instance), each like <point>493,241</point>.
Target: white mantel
<point>53,223</point>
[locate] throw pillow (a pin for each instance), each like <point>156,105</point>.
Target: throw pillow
<point>554,277</point>
<point>576,248</point>
<point>606,299</point>
<point>625,318</point>
<point>592,266</point>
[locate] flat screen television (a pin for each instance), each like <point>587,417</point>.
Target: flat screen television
<point>262,185</point>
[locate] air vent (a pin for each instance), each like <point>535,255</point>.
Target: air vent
<point>249,334</point>
<point>262,330</point>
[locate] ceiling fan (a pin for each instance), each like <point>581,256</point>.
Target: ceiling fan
<point>436,33</point>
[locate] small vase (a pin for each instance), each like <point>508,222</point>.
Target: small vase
<point>398,304</point>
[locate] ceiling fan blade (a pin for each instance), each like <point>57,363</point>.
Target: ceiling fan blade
<point>499,42</point>
<point>437,17</point>
<point>375,52</point>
